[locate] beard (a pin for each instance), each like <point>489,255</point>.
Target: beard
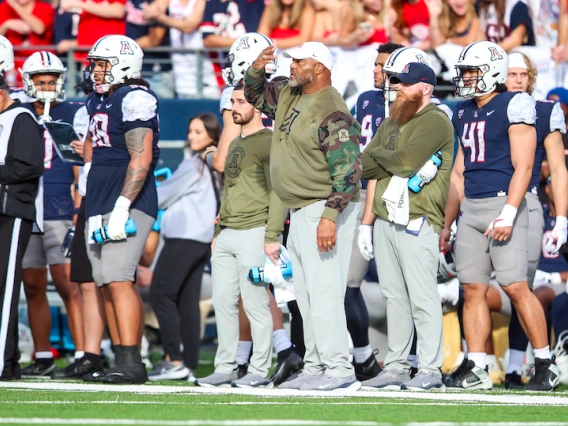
<point>405,107</point>
<point>301,81</point>
<point>243,119</point>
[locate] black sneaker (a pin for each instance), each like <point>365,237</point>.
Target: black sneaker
<point>368,369</point>
<point>472,378</point>
<point>242,370</point>
<point>131,374</point>
<point>514,381</point>
<point>285,369</point>
<point>95,376</point>
<point>546,376</point>
<point>38,370</point>
<point>77,369</point>
<point>451,380</point>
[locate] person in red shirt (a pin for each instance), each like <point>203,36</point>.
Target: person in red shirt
<point>26,23</point>
<point>98,18</point>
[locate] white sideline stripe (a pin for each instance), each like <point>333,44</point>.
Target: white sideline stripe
<point>405,403</point>
<point>519,399</point>
<point>254,422</point>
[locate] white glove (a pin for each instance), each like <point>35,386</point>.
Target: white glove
<point>365,241</point>
<point>546,278</point>
<point>86,169</point>
<point>557,237</point>
<point>506,218</point>
<point>118,218</point>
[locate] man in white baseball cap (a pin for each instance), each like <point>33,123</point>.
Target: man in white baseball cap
<point>311,50</point>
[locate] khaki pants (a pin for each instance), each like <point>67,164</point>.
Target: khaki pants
<point>320,283</point>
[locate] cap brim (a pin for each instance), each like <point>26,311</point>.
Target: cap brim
<point>295,53</point>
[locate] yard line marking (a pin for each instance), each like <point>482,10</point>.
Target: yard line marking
<point>379,402</point>
<point>254,422</point>
<point>525,398</point>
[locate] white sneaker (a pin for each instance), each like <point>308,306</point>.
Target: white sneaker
<point>253,381</point>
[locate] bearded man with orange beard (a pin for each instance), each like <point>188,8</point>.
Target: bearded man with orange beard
<point>408,224</point>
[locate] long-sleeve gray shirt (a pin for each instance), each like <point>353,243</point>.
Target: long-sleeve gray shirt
<point>190,201</point>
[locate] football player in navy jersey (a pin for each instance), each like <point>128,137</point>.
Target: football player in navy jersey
<point>370,112</point>
<point>490,178</point>
<point>120,186</point>
<point>550,126</point>
<point>43,76</point>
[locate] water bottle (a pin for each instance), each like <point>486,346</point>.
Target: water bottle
<point>426,174</point>
<point>100,235</point>
<point>256,275</point>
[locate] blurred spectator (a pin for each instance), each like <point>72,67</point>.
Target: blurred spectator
<point>184,18</point>
<point>224,22</point>
<point>26,23</point>
<point>327,21</point>
<point>288,22</point>
<point>363,23</point>
<point>560,52</point>
<point>453,21</point>
<point>156,66</point>
<point>98,19</point>
<point>191,199</point>
<point>408,23</point>
<point>65,29</point>
<point>507,23</point>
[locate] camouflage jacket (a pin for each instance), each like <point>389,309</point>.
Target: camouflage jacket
<point>315,151</point>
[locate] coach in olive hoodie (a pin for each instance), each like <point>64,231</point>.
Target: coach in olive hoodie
<point>315,170</point>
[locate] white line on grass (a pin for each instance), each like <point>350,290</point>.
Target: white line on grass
<point>379,402</point>
<point>516,398</point>
<point>254,422</point>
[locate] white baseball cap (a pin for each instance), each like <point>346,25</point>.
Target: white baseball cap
<point>312,49</point>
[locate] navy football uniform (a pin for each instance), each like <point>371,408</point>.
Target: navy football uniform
<point>231,19</point>
<point>549,119</point>
<point>484,137</point>
<point>128,108</point>
<point>370,112</point>
<point>58,176</point>
<point>550,262</point>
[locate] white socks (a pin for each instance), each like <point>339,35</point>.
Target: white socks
<point>280,340</point>
<point>516,359</point>
<point>243,352</point>
<point>44,355</point>
<point>362,354</point>
<point>79,355</point>
<point>479,358</point>
<point>543,353</point>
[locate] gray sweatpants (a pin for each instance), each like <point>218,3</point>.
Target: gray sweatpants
<point>407,266</point>
<point>358,266</point>
<point>236,253</point>
<point>320,284</point>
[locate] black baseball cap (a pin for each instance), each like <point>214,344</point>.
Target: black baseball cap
<point>415,72</point>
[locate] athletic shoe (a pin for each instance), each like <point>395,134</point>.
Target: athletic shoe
<point>325,382</point>
<point>252,381</point>
<point>546,377</point>
<point>514,381</point>
<point>217,380</point>
<point>386,380</point>
<point>242,370</point>
<point>424,381</point>
<point>285,369</point>
<point>38,370</point>
<point>302,379</point>
<point>472,378</point>
<point>95,376</point>
<point>451,380</point>
<point>368,369</point>
<point>128,374</point>
<point>77,369</point>
<point>166,370</point>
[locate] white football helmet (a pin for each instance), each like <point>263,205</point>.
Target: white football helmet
<point>44,63</point>
<point>243,52</point>
<point>492,63</point>
<point>447,263</point>
<point>124,55</point>
<point>396,62</point>
<point>6,55</point>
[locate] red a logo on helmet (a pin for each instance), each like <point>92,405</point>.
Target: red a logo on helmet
<point>243,44</point>
<point>421,59</point>
<point>125,48</point>
<point>495,54</point>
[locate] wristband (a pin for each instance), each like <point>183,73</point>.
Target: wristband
<point>509,213</point>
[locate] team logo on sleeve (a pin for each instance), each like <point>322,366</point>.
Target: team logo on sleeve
<point>378,121</point>
<point>125,48</point>
<point>365,104</point>
<point>495,54</point>
<point>343,135</point>
<point>460,114</point>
